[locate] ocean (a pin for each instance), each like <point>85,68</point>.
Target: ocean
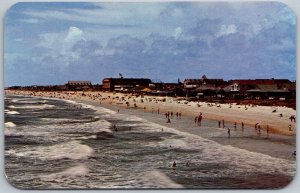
<point>62,144</point>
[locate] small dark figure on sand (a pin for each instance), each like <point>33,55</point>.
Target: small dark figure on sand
<point>293,118</point>
<point>219,124</point>
<point>169,121</point>
<point>290,127</point>
<point>199,120</point>
<point>228,131</point>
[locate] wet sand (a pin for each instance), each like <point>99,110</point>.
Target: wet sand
<point>275,145</point>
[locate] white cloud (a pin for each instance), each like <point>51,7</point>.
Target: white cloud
<point>75,34</point>
<point>227,30</point>
<point>50,40</point>
<point>177,33</point>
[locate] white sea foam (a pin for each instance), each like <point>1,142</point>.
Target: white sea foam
<point>159,180</point>
<point>104,110</point>
<point>75,171</point>
<point>44,106</point>
<point>9,132</point>
<point>24,101</point>
<point>72,150</point>
<point>10,124</point>
<point>9,129</point>
<point>11,112</point>
<point>88,137</point>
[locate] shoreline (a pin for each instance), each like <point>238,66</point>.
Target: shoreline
<point>275,145</point>
<point>275,118</point>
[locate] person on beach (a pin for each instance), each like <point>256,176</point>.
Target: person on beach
<point>219,124</point>
<point>172,115</point>
<point>199,119</point>
<point>166,115</point>
<point>196,118</point>
<point>169,121</point>
<point>258,130</point>
<point>235,125</point>
<point>242,126</point>
<point>176,115</point>
<point>174,165</point>
<point>290,127</point>
<point>228,131</point>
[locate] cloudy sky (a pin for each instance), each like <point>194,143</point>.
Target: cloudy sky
<point>51,43</point>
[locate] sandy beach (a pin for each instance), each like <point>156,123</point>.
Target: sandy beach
<point>279,142</point>
<point>277,118</point>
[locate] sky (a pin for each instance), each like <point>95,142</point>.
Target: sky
<point>52,43</point>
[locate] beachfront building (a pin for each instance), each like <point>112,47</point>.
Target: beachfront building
<point>260,89</point>
<point>190,84</point>
<point>203,87</point>
<point>79,85</point>
<point>124,84</point>
<point>167,89</point>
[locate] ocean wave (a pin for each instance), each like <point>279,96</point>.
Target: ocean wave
<point>44,106</point>
<point>11,112</point>
<point>72,150</point>
<point>10,124</point>
<point>158,179</point>
<point>79,105</point>
<point>75,171</point>
<point>30,101</point>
